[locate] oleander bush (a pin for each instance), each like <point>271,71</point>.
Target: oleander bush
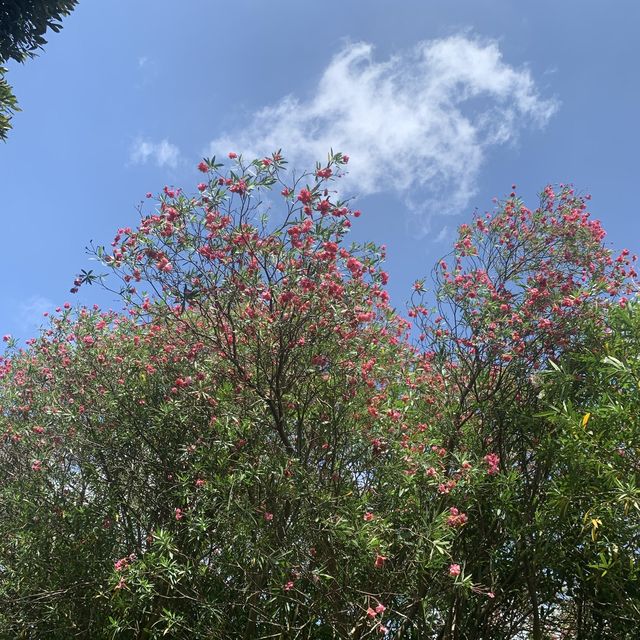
<point>259,446</point>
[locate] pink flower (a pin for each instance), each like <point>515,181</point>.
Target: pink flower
<point>304,196</point>
<point>493,462</point>
<point>368,517</point>
<point>288,586</point>
<point>324,173</point>
<point>379,562</point>
<point>203,166</point>
<point>456,519</point>
<point>268,516</point>
<point>232,155</point>
<point>454,570</point>
<point>202,186</point>
<point>239,187</point>
<point>380,608</point>
<point>179,514</point>
<point>121,565</point>
<point>36,465</point>
<point>371,612</point>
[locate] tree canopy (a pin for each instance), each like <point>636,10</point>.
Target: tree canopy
<point>260,446</point>
<point>23,25</point>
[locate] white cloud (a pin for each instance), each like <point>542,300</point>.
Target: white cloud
<point>445,234</point>
<point>419,124</point>
<point>29,313</point>
<point>163,153</point>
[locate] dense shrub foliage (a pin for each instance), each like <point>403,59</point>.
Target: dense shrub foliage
<point>261,447</point>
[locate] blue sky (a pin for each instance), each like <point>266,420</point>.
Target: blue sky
<point>441,105</point>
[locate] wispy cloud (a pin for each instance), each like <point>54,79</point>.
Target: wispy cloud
<point>419,124</point>
<point>29,312</point>
<point>162,153</point>
<point>445,234</point>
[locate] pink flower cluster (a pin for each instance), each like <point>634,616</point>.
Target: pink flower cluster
<point>493,462</point>
<point>456,518</point>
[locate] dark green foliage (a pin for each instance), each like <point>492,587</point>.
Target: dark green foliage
<point>8,105</point>
<point>23,25</point>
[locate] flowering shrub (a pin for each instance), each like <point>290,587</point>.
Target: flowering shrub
<point>591,500</point>
<point>244,452</point>
<point>522,291</point>
<point>256,449</point>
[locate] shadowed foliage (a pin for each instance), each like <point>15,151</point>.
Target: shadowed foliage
<point>23,25</point>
